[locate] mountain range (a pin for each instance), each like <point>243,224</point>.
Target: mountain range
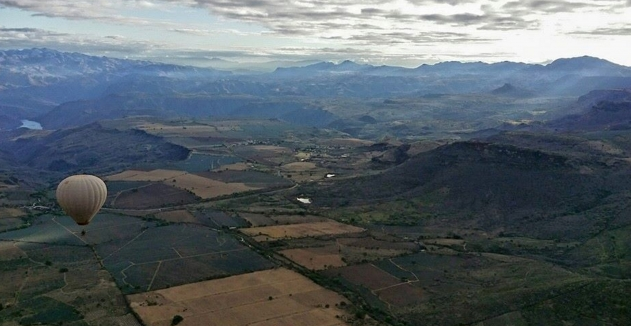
<point>44,84</point>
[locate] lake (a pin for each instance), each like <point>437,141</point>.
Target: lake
<point>31,125</point>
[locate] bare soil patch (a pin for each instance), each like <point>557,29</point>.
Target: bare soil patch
<point>178,216</point>
<point>11,212</point>
<point>302,230</point>
<point>299,166</point>
<point>402,295</point>
<point>155,195</point>
<point>315,258</point>
<point>369,276</point>
<point>278,297</point>
<point>153,175</point>
<point>257,219</point>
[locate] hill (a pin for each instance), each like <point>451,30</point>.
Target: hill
<point>603,110</point>
<point>88,149</point>
<point>510,90</point>
<point>490,215</point>
<point>491,186</point>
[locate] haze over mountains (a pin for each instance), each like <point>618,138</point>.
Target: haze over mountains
<point>49,86</point>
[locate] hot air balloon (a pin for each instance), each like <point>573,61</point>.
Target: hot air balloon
<point>81,197</point>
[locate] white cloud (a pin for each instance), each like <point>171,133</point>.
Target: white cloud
<point>391,28</point>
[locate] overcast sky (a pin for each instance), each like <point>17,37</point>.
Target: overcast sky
<point>394,32</point>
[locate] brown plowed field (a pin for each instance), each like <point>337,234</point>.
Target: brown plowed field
<point>153,175</point>
<point>315,258</point>
<point>179,216</point>
<point>207,188</point>
<point>155,195</point>
<point>402,295</point>
<point>302,230</point>
<point>200,186</point>
<point>257,219</point>
<point>11,212</point>
<point>277,297</point>
<point>369,276</point>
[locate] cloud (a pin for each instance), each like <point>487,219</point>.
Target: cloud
<point>551,7</point>
<point>611,31</point>
<point>11,38</point>
<point>405,27</point>
<point>401,37</point>
<point>97,10</point>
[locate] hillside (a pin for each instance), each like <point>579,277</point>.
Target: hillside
<point>603,110</point>
<point>88,149</point>
<point>521,228</point>
<point>492,186</point>
<point>77,113</point>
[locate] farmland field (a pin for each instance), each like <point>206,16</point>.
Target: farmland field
<point>207,188</point>
<point>272,297</point>
<point>265,154</point>
<point>249,178</point>
<point>139,254</point>
<point>315,258</point>
<point>200,186</point>
<point>257,219</point>
<point>10,212</point>
<point>10,218</point>
<point>302,230</point>
<point>154,195</point>
<point>177,216</point>
<point>219,219</point>
<point>412,286</point>
<point>198,162</point>
<point>203,187</point>
<point>46,279</point>
<point>299,166</point>
<point>158,257</point>
<point>153,175</point>
<point>368,275</point>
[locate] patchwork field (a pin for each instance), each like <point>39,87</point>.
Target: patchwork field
<point>203,187</point>
<point>153,175</point>
<point>207,188</point>
<point>265,154</point>
<point>276,297</point>
<point>10,218</point>
<point>157,257</point>
<point>181,131</point>
<point>267,220</point>
<point>153,195</point>
<point>300,230</point>
<point>140,254</point>
<point>254,179</point>
<point>49,277</point>
<point>11,212</point>
<point>315,258</point>
<point>446,290</point>
<point>177,216</point>
<point>347,142</point>
<point>370,276</point>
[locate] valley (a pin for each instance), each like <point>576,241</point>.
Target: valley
<point>487,204</point>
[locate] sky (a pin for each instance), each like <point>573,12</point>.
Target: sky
<point>407,33</point>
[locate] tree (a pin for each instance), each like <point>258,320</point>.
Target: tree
<point>176,320</point>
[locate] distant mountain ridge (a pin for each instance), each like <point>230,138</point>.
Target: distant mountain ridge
<point>57,77</point>
<point>33,82</point>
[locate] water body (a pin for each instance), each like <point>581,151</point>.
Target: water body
<point>31,125</point>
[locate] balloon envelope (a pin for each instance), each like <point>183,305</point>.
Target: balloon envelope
<point>81,197</point>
